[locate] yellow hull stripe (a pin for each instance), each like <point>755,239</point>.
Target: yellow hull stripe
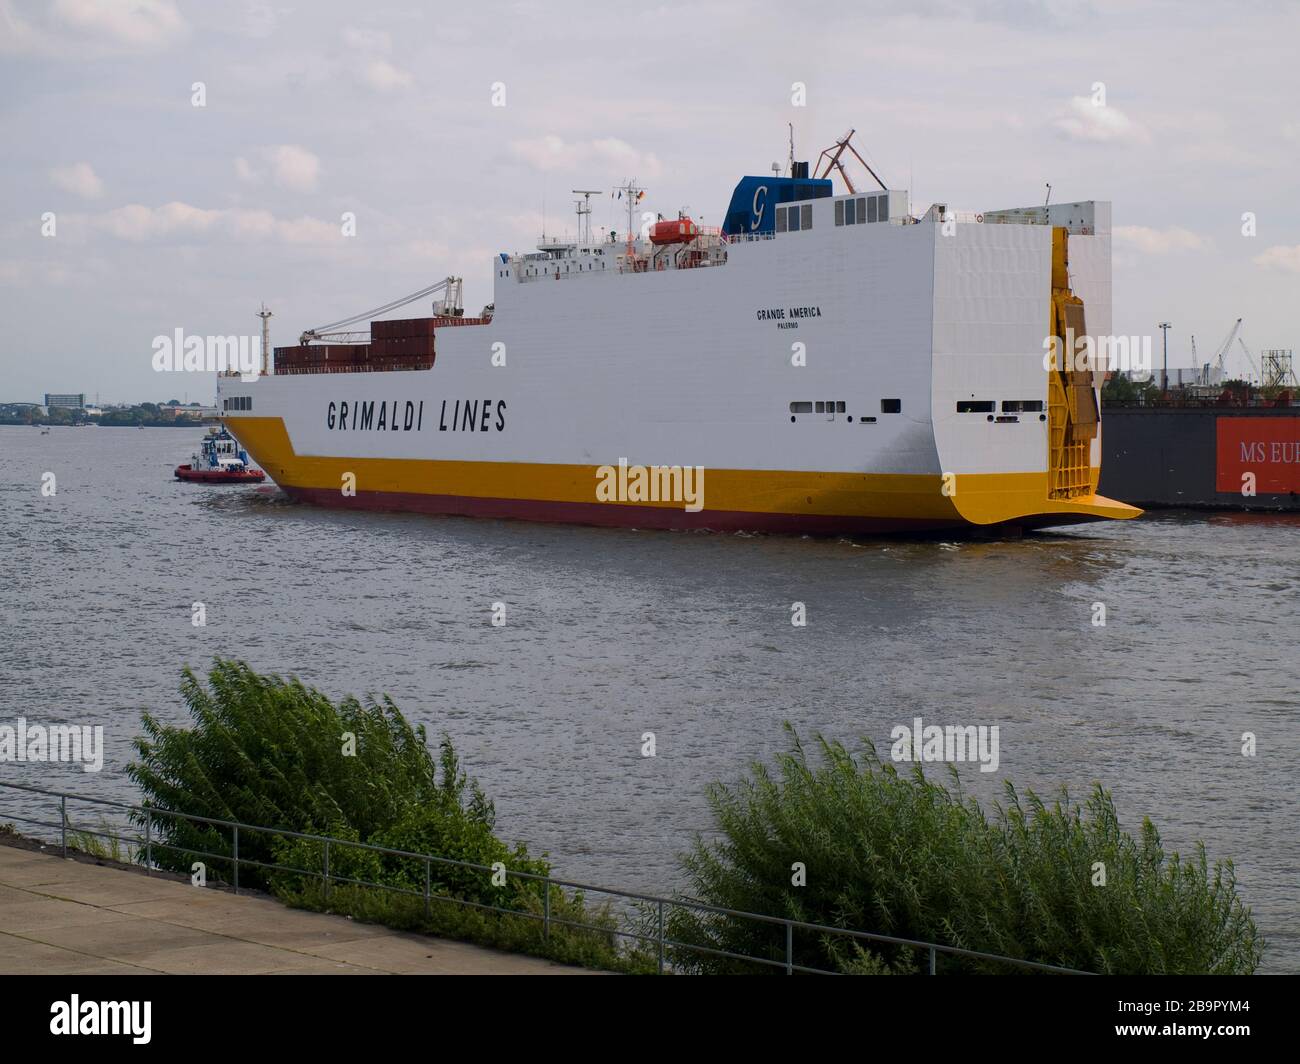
<point>979,498</point>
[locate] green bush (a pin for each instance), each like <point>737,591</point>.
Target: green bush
<point>902,855</point>
<point>270,752</point>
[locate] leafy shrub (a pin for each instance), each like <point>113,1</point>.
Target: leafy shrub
<point>269,752</point>
<point>904,856</point>
<point>266,751</point>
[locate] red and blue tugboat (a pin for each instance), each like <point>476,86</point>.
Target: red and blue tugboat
<point>220,461</point>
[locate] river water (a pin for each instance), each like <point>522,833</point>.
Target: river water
<point>613,633</point>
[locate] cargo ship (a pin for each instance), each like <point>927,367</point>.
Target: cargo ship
<point>824,362</point>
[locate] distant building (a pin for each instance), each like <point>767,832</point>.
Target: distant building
<point>67,402</point>
<point>193,411</point>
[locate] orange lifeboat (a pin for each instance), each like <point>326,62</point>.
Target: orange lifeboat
<point>678,231</point>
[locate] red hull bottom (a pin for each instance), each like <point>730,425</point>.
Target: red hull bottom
<point>202,476</point>
<point>610,515</point>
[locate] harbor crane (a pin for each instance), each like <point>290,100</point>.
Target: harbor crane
<point>1250,359</point>
<point>1212,372</point>
<point>337,332</point>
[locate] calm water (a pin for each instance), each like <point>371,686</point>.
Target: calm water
<point>614,633</point>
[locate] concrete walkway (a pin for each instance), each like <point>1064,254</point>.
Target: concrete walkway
<point>75,917</point>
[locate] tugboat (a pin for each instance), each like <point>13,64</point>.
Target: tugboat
<point>220,461</point>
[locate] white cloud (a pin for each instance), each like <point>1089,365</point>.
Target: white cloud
<point>133,23</point>
<point>184,223</point>
<point>375,71</point>
<point>293,167</point>
<point>382,75</point>
<point>1280,257</point>
<point>428,250</point>
<point>1159,241</point>
<point>33,273</point>
<point>75,29</point>
<point>308,231</point>
<point>260,18</point>
<point>608,155</point>
<point>79,179</point>
<point>1087,121</point>
<point>367,40</point>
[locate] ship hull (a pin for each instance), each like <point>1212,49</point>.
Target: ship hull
<point>789,501</point>
<point>218,476</point>
<point>603,515</point>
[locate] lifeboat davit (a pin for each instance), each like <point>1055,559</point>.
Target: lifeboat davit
<point>678,231</point>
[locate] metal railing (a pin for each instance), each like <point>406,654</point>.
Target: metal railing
<point>146,845</point>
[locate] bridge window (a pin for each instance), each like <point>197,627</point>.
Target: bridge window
<point>793,218</point>
<point>975,406</point>
<point>891,406</point>
<point>855,211</point>
<point>1014,406</point>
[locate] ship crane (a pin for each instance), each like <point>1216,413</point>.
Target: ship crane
<point>832,157</point>
<point>450,306</point>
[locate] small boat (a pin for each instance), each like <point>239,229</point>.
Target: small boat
<point>220,461</point>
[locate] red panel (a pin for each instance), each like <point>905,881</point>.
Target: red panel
<point>1269,447</point>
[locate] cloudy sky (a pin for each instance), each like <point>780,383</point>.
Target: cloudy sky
<point>169,215</point>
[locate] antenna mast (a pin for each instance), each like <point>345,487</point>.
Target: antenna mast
<point>266,317</point>
<point>633,194</point>
<point>584,213</point>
